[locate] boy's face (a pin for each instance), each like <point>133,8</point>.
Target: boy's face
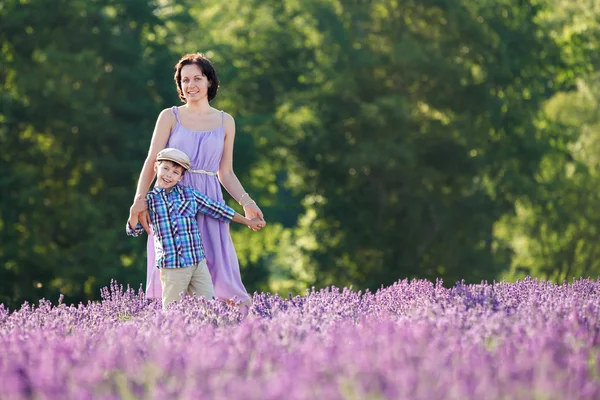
<point>167,174</point>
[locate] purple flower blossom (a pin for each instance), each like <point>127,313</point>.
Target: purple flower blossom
<point>414,340</point>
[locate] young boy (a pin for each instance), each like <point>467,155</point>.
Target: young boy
<point>173,209</point>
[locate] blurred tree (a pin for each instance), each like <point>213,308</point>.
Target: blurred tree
<point>79,81</point>
<point>554,234</point>
<point>405,130</point>
<point>382,139</point>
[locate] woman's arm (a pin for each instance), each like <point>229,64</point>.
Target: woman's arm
<point>228,178</point>
<point>160,137</point>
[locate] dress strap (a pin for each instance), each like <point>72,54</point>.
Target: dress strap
<point>175,110</point>
<point>222,118</point>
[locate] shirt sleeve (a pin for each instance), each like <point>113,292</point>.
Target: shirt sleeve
<point>139,229</point>
<point>208,206</point>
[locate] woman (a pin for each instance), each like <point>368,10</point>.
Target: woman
<point>207,136</point>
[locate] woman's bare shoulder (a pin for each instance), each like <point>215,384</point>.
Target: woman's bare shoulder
<point>228,119</point>
<point>167,115</point>
<point>167,112</point>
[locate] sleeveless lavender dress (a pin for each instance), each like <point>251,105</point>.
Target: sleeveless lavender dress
<point>205,149</point>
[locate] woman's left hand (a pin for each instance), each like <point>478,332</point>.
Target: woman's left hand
<point>252,211</point>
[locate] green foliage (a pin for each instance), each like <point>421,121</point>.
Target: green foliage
<point>555,236</point>
<point>406,129</point>
<point>79,84</point>
<point>382,139</point>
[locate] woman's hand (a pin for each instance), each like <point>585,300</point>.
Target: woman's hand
<point>252,211</point>
<point>256,224</point>
<point>139,204</point>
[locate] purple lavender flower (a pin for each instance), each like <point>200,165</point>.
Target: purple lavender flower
<point>415,340</point>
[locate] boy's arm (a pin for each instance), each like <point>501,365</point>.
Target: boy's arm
<point>208,206</point>
<point>223,212</point>
<point>255,224</point>
<point>134,221</point>
<point>137,231</point>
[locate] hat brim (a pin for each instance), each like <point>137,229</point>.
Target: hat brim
<point>178,162</point>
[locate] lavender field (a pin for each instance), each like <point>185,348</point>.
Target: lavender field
<point>413,340</point>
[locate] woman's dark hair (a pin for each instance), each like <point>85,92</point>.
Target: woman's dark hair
<point>207,69</point>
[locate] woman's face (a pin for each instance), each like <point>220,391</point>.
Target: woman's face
<point>194,84</point>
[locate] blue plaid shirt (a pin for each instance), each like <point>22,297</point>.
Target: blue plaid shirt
<point>177,239</point>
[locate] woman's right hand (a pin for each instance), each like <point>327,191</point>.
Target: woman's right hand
<point>139,204</point>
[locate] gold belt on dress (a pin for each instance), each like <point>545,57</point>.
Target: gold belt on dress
<point>201,171</point>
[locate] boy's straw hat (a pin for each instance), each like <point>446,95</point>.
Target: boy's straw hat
<point>176,156</point>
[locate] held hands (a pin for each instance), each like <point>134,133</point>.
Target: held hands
<point>139,204</point>
<point>132,220</point>
<point>256,224</point>
<point>253,212</point>
<point>145,220</point>
<point>139,211</point>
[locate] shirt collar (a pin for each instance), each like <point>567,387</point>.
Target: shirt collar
<point>177,189</point>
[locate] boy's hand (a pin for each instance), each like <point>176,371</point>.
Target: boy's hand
<point>144,218</point>
<point>133,228</point>
<point>133,220</point>
<point>140,209</point>
<point>256,224</point>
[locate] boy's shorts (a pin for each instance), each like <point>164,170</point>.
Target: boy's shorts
<point>194,280</point>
